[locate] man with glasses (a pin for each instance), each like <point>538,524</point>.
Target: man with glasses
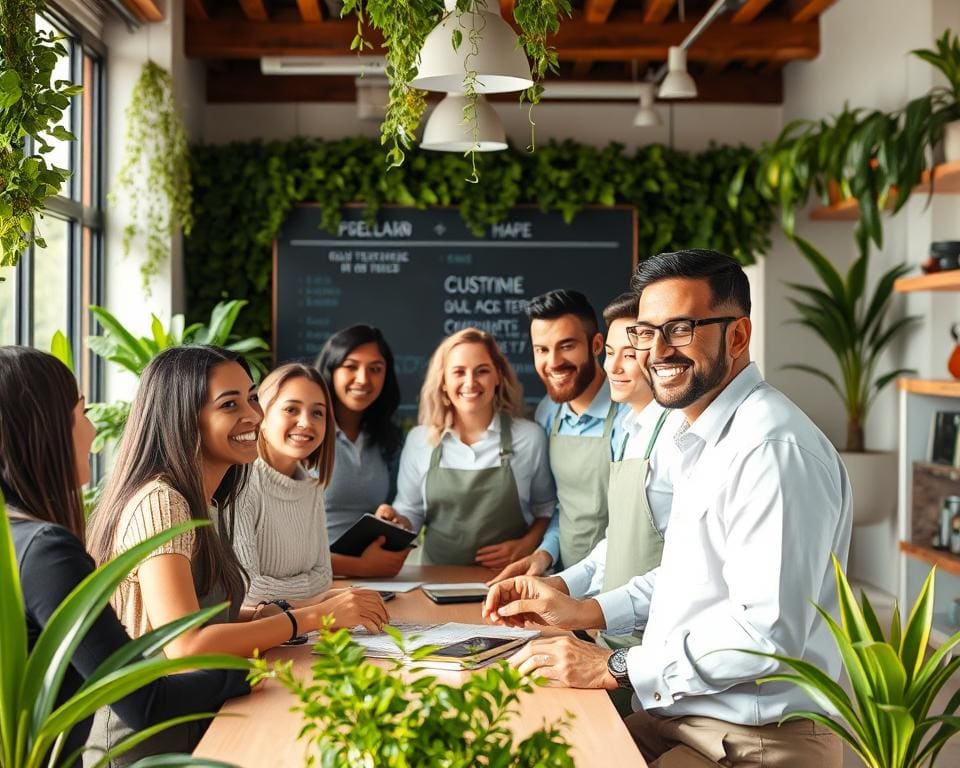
<point>761,500</point>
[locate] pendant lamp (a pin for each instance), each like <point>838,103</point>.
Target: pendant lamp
<point>500,63</point>
<point>677,84</point>
<point>647,116</point>
<point>446,130</point>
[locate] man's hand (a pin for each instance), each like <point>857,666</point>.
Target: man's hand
<point>566,662</point>
<point>502,554</point>
<point>388,513</point>
<point>531,565</point>
<point>523,599</point>
<point>352,607</point>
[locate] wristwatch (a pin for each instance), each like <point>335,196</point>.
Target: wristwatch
<point>295,637</point>
<point>617,666</point>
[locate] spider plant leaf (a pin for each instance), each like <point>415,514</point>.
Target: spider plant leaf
<point>870,617</point>
<point>916,634</point>
<point>851,617</point>
<point>824,269</point>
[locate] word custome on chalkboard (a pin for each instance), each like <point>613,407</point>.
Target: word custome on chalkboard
<point>420,275</point>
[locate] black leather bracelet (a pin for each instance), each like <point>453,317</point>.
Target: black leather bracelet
<point>284,606</point>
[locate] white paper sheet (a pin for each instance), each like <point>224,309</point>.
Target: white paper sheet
<point>381,645</point>
<point>389,586</point>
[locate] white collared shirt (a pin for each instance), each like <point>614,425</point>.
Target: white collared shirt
<point>761,500</point>
<point>530,463</point>
<point>586,577</point>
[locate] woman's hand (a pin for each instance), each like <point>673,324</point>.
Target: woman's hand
<point>388,513</point>
<point>502,554</point>
<point>377,561</point>
<point>355,607</point>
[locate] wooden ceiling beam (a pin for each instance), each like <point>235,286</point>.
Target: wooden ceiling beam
<point>254,10</point>
<point>655,11</point>
<point>145,10</point>
<point>196,10</point>
<point>310,10</point>
<point>245,84</point>
<point>802,11</point>
<point>749,11</point>
<point>577,39</point>
<point>598,11</point>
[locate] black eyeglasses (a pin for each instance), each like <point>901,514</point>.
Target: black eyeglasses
<point>675,333</point>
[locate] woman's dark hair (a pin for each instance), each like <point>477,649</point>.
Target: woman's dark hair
<point>565,301</point>
<point>162,440</point>
<point>726,278</point>
<point>377,421</point>
<point>625,306</point>
<point>38,468</point>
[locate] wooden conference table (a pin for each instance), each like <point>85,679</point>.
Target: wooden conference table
<point>266,734</point>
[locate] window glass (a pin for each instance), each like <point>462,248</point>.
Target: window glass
<point>51,274</point>
<point>7,290</point>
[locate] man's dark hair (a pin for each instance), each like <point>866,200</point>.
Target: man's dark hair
<point>624,306</point>
<point>726,278</point>
<point>564,301</point>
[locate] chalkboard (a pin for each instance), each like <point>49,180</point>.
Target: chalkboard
<point>419,275</point>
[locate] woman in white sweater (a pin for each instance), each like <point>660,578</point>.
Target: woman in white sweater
<point>281,534</point>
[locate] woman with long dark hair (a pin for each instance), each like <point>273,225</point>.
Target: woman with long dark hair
<point>358,366</point>
<point>45,440</point>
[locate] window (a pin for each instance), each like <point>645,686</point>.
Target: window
<point>52,287</point>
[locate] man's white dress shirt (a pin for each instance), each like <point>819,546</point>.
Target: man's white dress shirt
<point>761,501</point>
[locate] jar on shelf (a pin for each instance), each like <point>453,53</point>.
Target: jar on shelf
<point>946,253</point>
<point>949,509</point>
<point>955,534</point>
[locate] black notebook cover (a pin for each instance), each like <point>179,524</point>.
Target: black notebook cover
<point>366,530</point>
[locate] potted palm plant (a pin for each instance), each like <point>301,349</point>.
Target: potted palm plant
<point>887,721</point>
<point>854,325</point>
<point>946,58</point>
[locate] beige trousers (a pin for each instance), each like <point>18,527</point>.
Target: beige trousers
<point>702,742</point>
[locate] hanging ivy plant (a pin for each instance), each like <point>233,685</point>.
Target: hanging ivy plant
<point>244,192</point>
<point>405,26</point>
<point>154,178</point>
<point>31,106</point>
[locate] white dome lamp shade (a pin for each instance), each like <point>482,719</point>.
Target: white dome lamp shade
<point>500,64</point>
<point>647,116</point>
<point>677,84</point>
<point>446,130</point>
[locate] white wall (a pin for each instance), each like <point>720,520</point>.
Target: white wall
<point>866,65</point>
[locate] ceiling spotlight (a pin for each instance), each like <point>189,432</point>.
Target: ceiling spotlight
<point>677,84</point>
<point>499,61</point>
<point>646,116</point>
<point>446,130</point>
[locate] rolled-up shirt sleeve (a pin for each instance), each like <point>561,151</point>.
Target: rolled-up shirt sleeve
<point>782,531</point>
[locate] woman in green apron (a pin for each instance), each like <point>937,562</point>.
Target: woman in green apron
<point>474,474</point>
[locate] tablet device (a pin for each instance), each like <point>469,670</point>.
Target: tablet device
<point>455,594</point>
<point>366,530</point>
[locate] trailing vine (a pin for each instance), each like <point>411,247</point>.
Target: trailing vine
<point>244,191</point>
<point>31,106</point>
<point>405,26</point>
<point>154,179</point>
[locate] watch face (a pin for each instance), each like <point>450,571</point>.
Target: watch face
<point>618,663</point>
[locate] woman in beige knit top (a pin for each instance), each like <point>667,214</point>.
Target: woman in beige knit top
<point>192,430</point>
<point>281,537</point>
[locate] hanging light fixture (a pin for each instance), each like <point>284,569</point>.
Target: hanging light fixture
<point>647,116</point>
<point>677,84</point>
<point>499,62</point>
<point>446,130</point>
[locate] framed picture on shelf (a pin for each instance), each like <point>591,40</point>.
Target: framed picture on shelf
<point>944,435</point>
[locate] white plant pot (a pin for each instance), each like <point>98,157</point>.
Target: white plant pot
<point>951,141</point>
<point>873,478</point>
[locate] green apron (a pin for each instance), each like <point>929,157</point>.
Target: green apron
<point>581,469</point>
<point>634,545</point>
<point>470,508</point>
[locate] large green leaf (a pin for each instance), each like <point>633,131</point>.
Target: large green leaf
<point>824,269</point>
<point>916,635</point>
<point>124,339</point>
<point>13,639</point>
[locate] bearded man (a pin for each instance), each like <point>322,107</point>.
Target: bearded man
<point>582,422</point>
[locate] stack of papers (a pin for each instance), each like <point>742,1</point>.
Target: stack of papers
<point>382,646</point>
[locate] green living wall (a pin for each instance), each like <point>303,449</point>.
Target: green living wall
<point>243,192</point>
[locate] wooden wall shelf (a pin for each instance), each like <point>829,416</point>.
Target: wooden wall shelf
<point>936,281</point>
<point>936,387</point>
<point>945,561</point>
<point>946,180</point>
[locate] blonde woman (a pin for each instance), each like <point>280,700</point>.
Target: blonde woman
<point>474,473</point>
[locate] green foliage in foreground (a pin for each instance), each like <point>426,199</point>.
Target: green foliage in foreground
<point>244,191</point>
<point>887,722</point>
<point>32,724</point>
<point>360,715</point>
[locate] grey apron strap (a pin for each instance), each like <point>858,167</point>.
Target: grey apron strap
<point>656,434</point>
